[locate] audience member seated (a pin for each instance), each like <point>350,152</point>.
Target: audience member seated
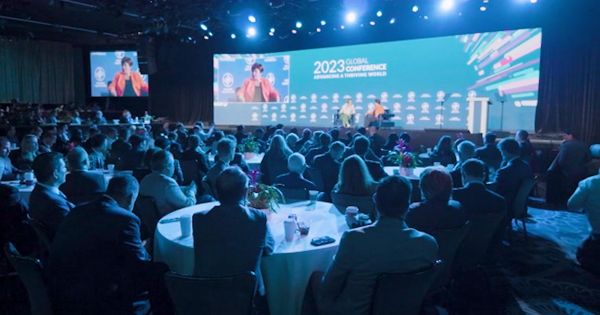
<point>274,162</point>
<point>328,165</point>
<point>386,246</point>
<point>376,140</point>
<point>98,147</point>
<point>47,141</point>
<point>230,238</point>
<point>134,158</point>
<point>291,140</point>
<point>436,211</point>
<point>361,148</point>
<point>510,177</point>
<point>23,158</point>
<point>465,150</point>
<point>161,186</point>
<point>194,153</point>
<point>567,169</point>
<point>126,117</point>
<point>10,172</point>
<point>238,158</point>
<point>391,142</point>
<point>294,179</point>
<point>225,151</point>
<point>489,153</point>
<point>81,185</point>
<point>121,145</point>
<point>48,206</point>
<point>98,118</point>
<point>165,144</point>
<point>527,151</point>
<point>587,198</point>
<point>474,196</point>
<point>306,136</point>
<point>314,142</point>
<point>324,141</point>
<point>98,264</point>
<point>443,153</point>
<point>240,134</point>
<point>354,178</point>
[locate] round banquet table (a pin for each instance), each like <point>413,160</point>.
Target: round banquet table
<point>287,270</point>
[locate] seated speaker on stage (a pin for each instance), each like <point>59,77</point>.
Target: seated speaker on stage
<point>346,113</point>
<point>374,116</point>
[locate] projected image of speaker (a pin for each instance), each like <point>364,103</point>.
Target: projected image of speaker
<point>117,74</point>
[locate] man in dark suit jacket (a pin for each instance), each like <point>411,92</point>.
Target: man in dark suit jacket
<point>97,262</point>
<point>294,179</point>
<point>328,166</point>
<point>388,245</point>
<point>230,238</point>
<point>325,140</point>
<point>568,168</point>
<point>361,148</point>
<point>489,153</point>
<point>48,206</point>
<point>465,150</point>
<point>474,196</point>
<point>82,185</point>
<point>194,153</point>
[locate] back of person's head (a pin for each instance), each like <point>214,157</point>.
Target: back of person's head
<point>509,148</point>
<point>405,137</point>
<point>147,160</point>
<point>193,142</point>
<point>123,189</point>
<point>362,131</point>
<point>136,141</point>
<point>456,143</point>
<point>361,145</point>
<point>335,133</point>
<point>393,196</point>
<point>163,162</point>
<point>259,132</point>
<point>291,139</point>
<point>473,169</point>
<point>296,163</point>
<point>522,135</point>
<point>29,143</point>
<point>172,136</point>
<point>325,139</point>
<point>231,185</point>
<point>436,184</point>
<point>306,133</point>
<point>225,150</point>
<point>444,144</point>
<point>162,143</point>
<point>490,138</point>
<point>466,150</point>
<point>239,128</point>
<point>78,159</point>
<point>45,167</point>
<point>337,149</point>
<point>354,177</point>
<point>571,133</point>
<point>317,135</point>
<point>279,147</point>
<point>97,141</point>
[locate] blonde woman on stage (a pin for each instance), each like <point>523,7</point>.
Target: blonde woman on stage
<point>347,113</point>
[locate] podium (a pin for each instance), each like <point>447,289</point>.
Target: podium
<point>477,119</point>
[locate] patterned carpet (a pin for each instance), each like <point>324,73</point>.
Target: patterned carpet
<point>542,272</point>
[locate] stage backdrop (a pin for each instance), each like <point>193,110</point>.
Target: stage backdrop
<point>444,82</point>
<point>104,65</point>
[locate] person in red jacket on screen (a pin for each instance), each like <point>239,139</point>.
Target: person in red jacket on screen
<point>257,88</point>
<point>126,82</point>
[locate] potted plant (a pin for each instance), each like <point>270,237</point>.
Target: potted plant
<point>249,147</point>
<point>403,158</point>
<point>261,196</point>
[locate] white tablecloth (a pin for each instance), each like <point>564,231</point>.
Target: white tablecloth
<point>253,160</point>
<point>395,170</point>
<point>286,272</point>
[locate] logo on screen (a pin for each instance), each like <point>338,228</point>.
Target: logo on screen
<point>228,80</point>
<point>99,74</point>
<point>271,78</point>
<point>119,54</point>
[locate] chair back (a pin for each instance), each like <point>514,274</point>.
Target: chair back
<point>30,272</point>
<point>449,241</point>
<point>519,209</point>
<point>316,177</point>
<point>189,168</point>
<point>44,238</point>
<point>365,204</point>
<point>145,208</point>
<point>292,195</point>
<point>402,293</point>
<point>212,295</point>
<point>140,173</point>
<point>476,244</point>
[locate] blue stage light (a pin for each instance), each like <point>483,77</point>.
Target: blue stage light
<point>351,17</point>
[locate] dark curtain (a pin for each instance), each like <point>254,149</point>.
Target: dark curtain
<point>37,71</point>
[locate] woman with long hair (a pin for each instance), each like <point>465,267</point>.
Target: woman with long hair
<point>443,152</point>
<point>354,178</point>
<point>274,163</point>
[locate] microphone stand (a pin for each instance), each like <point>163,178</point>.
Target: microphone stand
<point>441,112</point>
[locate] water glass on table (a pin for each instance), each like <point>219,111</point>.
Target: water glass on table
<point>185,222</point>
<point>290,226</point>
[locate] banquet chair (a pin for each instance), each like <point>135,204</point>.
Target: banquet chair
<point>212,295</point>
<point>402,293</point>
<point>145,208</point>
<point>30,272</point>
<point>292,195</point>
<point>316,177</point>
<point>365,204</point>
<point>449,241</point>
<point>519,206</point>
<point>189,168</point>
<point>43,237</point>
<point>476,244</point>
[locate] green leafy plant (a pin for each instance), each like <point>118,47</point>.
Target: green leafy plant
<point>401,157</point>
<point>249,145</point>
<point>261,196</point>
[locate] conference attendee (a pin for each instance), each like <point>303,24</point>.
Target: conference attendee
<point>194,153</point>
<point>127,82</point>
<point>510,177</point>
<point>48,206</point>
<point>203,133</point>
<point>567,169</point>
<point>323,146</point>
<point>126,117</point>
<point>527,151</point>
<point>258,137</point>
<point>98,118</point>
<point>98,148</point>
<point>354,178</point>
<point>464,151</point>
<point>489,153</point>
<point>377,140</point>
<point>405,137</point>
<point>121,145</point>
<point>161,186</point>
<point>238,158</point>
<point>80,184</point>
<point>387,246</point>
<point>47,141</point>
<point>306,136</point>
<point>10,172</point>
<point>361,148</point>
<point>134,158</point>
<point>294,179</point>
<point>225,152</point>
<point>163,143</point>
<point>436,211</point>
<point>391,142</point>
<point>346,113</point>
<point>587,198</point>
<point>473,195</point>
<point>256,88</point>
<point>274,162</point>
<point>175,146</point>
<point>291,140</point>
<point>23,158</point>
<point>314,142</point>
<point>97,262</point>
<point>63,138</point>
<point>328,165</point>
<point>75,118</point>
<point>443,152</point>
<point>240,134</point>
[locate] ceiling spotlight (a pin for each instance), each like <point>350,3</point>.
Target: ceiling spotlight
<point>351,17</point>
<point>203,27</point>
<point>533,1</point>
<point>447,5</point>
<point>415,8</point>
<point>392,20</point>
<point>318,30</point>
<point>426,17</point>
<point>342,27</point>
<point>379,13</point>
<point>372,23</point>
<point>205,37</point>
<point>272,30</point>
<point>210,34</point>
<point>294,31</point>
<point>251,18</point>
<point>298,24</point>
<point>233,36</point>
<point>271,34</point>
<point>251,31</point>
<point>323,22</point>
<point>482,8</point>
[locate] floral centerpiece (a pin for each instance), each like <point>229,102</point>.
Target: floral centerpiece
<point>249,146</point>
<point>261,196</point>
<point>402,157</point>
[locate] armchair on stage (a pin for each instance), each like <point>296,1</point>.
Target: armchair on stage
<point>346,121</point>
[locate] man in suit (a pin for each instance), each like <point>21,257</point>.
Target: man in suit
<point>225,153</point>
<point>230,238</point>
<point>161,186</point>
<point>81,185</point>
<point>388,245</point>
<point>489,153</point>
<point>121,146</point>
<point>9,172</point>
<point>48,206</point>
<point>134,158</point>
<point>567,169</point>
<point>465,150</point>
<point>324,140</point>
<point>474,196</point>
<point>361,148</point>
<point>294,179</point>
<point>98,147</point>
<point>97,262</point>
<point>328,166</point>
